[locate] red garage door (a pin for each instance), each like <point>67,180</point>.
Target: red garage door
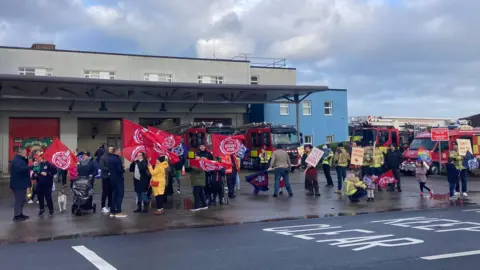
<point>31,131</point>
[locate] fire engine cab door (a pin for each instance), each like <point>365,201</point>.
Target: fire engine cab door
<point>475,144</point>
<point>384,139</point>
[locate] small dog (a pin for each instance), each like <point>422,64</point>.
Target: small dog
<point>62,200</point>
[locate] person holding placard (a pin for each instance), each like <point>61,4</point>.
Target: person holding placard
<point>311,174</point>
<point>462,171</point>
<point>327,165</point>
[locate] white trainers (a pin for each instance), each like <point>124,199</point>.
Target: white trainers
<point>195,209</point>
<point>453,198</point>
<point>457,193</point>
<point>464,194</point>
<point>105,210</point>
<point>30,202</point>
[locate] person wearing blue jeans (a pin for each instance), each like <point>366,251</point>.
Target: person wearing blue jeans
<point>341,175</point>
<point>463,179</point>
<point>452,177</point>
<point>281,164</point>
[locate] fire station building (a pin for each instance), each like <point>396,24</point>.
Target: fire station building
<point>81,97</point>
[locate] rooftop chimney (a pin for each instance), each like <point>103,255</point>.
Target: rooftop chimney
<point>42,46</point>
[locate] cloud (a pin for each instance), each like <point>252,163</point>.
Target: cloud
<point>395,57</point>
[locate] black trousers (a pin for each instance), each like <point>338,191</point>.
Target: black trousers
<point>396,175</point>
<point>20,199</point>
<point>159,201</point>
<point>207,190</point>
<point>217,190</point>
<point>106,193</point>
<point>328,175</point>
<point>199,197</point>
<point>231,182</point>
<point>62,177</point>
<point>45,194</point>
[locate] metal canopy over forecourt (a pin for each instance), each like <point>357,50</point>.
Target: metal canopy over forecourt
<point>21,87</point>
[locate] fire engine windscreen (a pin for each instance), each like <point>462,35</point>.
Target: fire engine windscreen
<point>364,136</point>
<point>422,143</point>
<point>284,138</point>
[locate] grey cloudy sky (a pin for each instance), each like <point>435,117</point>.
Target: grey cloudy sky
<point>395,57</point>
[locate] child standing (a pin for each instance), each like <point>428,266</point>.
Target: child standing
<point>369,181</point>
<point>421,175</point>
<point>452,177</point>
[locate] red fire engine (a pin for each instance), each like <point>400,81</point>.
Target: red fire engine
<point>196,134</point>
<point>261,137</point>
<point>383,136</point>
<point>424,140</point>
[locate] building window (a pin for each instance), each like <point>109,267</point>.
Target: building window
<point>308,139</point>
<point>307,107</point>
<point>105,75</point>
<point>254,80</point>
<point>35,71</point>
<point>210,79</point>
<point>158,77</point>
<point>330,139</point>
<point>328,105</point>
<point>284,109</point>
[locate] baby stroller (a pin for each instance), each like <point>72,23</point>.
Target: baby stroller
<point>82,196</point>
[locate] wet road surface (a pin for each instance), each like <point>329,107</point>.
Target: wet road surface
<point>434,239</point>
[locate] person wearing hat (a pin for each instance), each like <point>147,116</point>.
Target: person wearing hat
<point>327,164</point>
<point>341,159</point>
<point>44,179</point>
<point>203,153</point>
<point>462,171</point>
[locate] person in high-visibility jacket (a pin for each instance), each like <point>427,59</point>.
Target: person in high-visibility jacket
<point>327,164</point>
<point>341,159</point>
<point>462,171</point>
<point>231,173</point>
<point>367,161</point>
<point>354,188</point>
<point>264,158</point>
<point>377,163</point>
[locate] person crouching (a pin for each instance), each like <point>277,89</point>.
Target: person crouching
<point>354,188</point>
<point>44,178</point>
<point>158,182</point>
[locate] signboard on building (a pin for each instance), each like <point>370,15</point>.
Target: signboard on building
<point>440,134</point>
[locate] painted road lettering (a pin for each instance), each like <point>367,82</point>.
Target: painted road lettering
<point>365,241</point>
<point>432,224</point>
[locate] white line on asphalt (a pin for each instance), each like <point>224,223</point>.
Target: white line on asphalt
<point>452,255</point>
<point>471,210</point>
<point>92,257</point>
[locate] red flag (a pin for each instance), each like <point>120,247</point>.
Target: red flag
<point>168,140</point>
<point>385,179</point>
<point>226,145</point>
<point>208,165</point>
<point>130,153</point>
<point>132,134</point>
<point>60,156</point>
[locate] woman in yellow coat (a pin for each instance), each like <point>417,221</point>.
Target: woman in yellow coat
<point>158,182</point>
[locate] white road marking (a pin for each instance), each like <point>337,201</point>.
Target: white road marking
<point>472,210</point>
<point>92,257</point>
<point>452,255</point>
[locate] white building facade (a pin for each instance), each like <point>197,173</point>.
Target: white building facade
<point>86,125</point>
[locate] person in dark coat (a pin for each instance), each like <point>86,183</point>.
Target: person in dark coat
<point>203,153</point>
<point>393,159</point>
<point>99,153</point>
<point>141,181</point>
<point>452,177</point>
<point>311,174</point>
<point>44,178</point>
<point>20,182</point>
<point>86,167</point>
<point>107,192</point>
<point>117,182</point>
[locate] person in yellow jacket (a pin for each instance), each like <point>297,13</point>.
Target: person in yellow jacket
<point>367,160</point>
<point>354,188</point>
<point>158,182</point>
<point>264,158</point>
<point>341,159</point>
<point>462,171</point>
<point>377,162</point>
<point>327,165</point>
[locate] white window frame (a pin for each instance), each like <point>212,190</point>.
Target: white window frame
<point>160,77</point>
<point>309,107</point>
<point>326,107</point>
<point>35,71</point>
<point>305,139</point>
<point>99,74</point>
<point>211,79</point>
<point>285,106</point>
<point>330,139</point>
<point>254,80</point>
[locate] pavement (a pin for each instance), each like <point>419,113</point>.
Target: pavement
<point>427,240</point>
<point>245,209</point>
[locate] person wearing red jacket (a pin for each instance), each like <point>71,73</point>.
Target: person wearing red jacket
<point>311,174</point>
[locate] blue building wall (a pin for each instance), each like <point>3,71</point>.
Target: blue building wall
<point>318,125</point>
